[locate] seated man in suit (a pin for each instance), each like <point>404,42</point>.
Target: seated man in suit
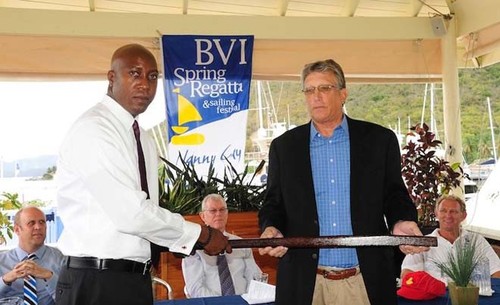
<point>201,271</point>
<point>450,211</point>
<point>18,263</point>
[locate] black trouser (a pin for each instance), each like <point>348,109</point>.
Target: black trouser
<point>103,287</point>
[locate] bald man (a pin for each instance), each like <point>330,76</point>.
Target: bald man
<point>108,205</point>
<point>31,229</point>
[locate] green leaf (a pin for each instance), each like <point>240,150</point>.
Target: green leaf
<point>461,261</point>
<point>182,189</point>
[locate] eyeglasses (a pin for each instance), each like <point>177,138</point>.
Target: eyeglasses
<point>215,211</point>
<point>451,211</point>
<point>321,89</point>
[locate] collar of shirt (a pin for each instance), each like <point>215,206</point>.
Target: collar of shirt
<point>343,125</point>
<point>21,254</point>
<point>123,116</point>
<point>436,232</point>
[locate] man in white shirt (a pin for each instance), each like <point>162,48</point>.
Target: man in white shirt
<point>200,270</point>
<point>450,210</point>
<point>108,195</point>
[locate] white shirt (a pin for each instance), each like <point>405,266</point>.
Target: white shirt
<point>103,209</point>
<point>201,273</point>
<point>425,261</point>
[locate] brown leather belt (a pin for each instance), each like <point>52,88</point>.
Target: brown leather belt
<point>337,274</point>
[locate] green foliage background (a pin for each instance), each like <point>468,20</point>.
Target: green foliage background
<point>386,103</point>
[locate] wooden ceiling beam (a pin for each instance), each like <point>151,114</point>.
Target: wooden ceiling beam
<point>88,57</point>
<point>108,24</point>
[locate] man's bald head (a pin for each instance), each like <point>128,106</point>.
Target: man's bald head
<point>130,50</point>
<point>133,78</point>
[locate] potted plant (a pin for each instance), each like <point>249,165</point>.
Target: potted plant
<point>241,193</point>
<point>459,266</point>
<point>182,189</point>
<point>10,202</point>
<point>426,174</point>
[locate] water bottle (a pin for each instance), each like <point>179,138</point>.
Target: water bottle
<point>475,278</point>
<point>481,277</point>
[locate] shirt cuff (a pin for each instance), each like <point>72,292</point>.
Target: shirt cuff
<point>186,243</point>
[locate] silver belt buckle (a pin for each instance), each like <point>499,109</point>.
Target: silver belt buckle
<point>147,267</point>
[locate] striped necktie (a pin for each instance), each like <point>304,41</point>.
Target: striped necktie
<point>29,289</point>
<point>226,282</point>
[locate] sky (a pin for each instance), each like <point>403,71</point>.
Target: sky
<point>35,116</point>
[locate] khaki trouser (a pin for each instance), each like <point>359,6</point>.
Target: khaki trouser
<point>351,290</point>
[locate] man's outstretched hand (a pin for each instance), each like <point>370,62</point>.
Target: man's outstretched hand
<point>213,241</point>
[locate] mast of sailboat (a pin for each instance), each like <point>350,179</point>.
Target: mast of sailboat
<point>423,106</point>
<point>432,123</point>
<point>491,129</point>
<point>259,106</point>
<point>433,120</point>
<point>160,141</point>
<point>271,104</point>
<point>163,139</point>
<point>288,114</point>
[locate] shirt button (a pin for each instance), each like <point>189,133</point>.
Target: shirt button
<point>331,160</point>
<point>334,224</point>
<point>333,202</point>
<point>332,181</point>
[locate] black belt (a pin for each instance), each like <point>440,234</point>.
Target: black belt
<point>118,265</point>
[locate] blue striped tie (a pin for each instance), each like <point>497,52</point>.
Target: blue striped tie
<point>226,282</point>
<point>30,297</point>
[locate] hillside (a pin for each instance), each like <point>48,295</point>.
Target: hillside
<point>385,104</point>
<point>28,167</point>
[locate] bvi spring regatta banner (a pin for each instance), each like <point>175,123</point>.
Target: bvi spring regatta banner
<point>207,85</point>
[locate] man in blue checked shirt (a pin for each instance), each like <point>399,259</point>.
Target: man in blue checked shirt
<point>31,228</point>
<point>335,176</point>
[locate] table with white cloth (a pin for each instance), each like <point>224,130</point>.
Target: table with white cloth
<point>226,300</point>
<point>238,300</point>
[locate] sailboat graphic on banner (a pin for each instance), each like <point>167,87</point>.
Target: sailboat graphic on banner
<point>187,112</point>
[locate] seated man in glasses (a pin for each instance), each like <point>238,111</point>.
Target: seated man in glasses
<point>227,274</point>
